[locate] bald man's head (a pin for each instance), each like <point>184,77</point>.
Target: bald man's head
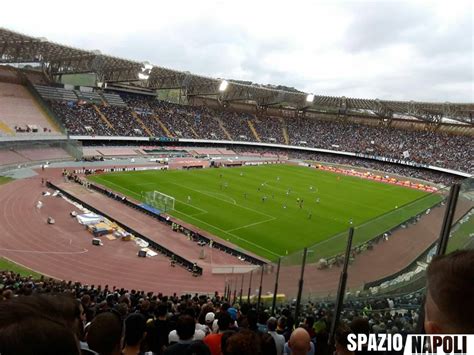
<point>299,342</point>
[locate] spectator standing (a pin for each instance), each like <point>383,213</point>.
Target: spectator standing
<point>299,343</point>
<point>135,333</point>
<point>278,338</point>
<point>104,335</point>
<point>185,329</point>
<point>213,341</point>
<point>158,330</point>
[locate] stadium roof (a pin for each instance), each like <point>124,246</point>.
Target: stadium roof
<point>59,59</point>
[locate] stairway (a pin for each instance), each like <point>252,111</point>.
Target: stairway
<point>141,123</point>
<point>6,129</point>
<point>285,132</point>
<point>254,131</point>
<point>194,132</point>
<point>102,116</point>
<point>221,125</point>
<point>163,127</point>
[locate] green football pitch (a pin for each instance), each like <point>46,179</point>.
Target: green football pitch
<point>257,207</point>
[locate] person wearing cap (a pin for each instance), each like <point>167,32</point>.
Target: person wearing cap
<point>209,319</point>
<point>233,313</point>
<point>213,341</point>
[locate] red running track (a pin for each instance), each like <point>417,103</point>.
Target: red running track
<point>64,250</point>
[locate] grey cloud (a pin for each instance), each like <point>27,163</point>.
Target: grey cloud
<point>211,47</point>
<point>378,24</point>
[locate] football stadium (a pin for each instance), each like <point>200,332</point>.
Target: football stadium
<point>151,210</point>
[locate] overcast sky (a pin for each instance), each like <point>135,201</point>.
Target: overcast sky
<point>408,50</point>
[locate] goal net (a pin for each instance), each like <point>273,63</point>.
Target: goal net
<point>159,200</point>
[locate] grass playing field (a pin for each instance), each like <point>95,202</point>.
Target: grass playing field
<point>7,265</point>
<point>256,207</point>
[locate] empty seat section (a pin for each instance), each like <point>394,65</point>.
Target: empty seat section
<point>20,111</point>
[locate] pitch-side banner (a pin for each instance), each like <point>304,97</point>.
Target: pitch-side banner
<point>439,344</point>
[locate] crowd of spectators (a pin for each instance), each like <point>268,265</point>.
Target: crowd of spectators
<point>47,316</point>
<point>426,147</point>
<point>183,121</point>
<point>237,124</point>
<point>101,316</point>
<point>122,120</point>
<point>144,109</point>
<point>271,129</point>
<point>81,119</point>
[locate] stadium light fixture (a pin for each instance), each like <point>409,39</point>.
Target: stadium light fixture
<point>223,86</point>
<point>145,71</point>
<point>309,98</point>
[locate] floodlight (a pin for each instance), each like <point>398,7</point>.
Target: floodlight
<point>147,66</point>
<point>310,98</point>
<point>142,76</point>
<point>223,86</point>
<point>145,71</point>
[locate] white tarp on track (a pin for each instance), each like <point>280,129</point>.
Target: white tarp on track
<point>89,218</point>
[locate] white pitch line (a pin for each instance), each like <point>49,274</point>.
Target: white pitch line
<point>190,216</point>
<point>140,196</point>
<point>231,234</point>
<point>246,208</point>
<point>121,187</point>
<point>44,252</point>
<point>250,225</point>
<point>218,194</point>
<point>195,214</point>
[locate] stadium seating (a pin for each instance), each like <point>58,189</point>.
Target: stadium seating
<point>9,157</point>
<point>56,93</point>
<point>130,115</point>
<point>113,99</point>
<point>20,113</point>
<point>81,119</point>
<point>43,154</point>
<point>32,153</point>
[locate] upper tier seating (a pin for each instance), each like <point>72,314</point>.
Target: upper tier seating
<point>164,119</point>
<point>113,99</point>
<point>56,93</point>
<point>89,96</point>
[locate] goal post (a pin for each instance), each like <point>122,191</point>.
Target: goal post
<point>159,200</point>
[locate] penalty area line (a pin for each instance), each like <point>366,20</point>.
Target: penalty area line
<point>231,234</point>
<point>140,196</point>
<point>251,225</point>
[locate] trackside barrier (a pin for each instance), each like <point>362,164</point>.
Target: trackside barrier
<point>188,265</point>
<point>90,171</point>
<point>161,218</point>
<point>413,264</point>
